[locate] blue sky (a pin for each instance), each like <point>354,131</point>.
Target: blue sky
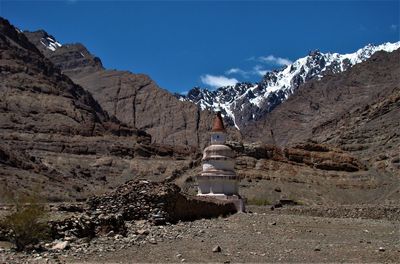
<point>182,44</point>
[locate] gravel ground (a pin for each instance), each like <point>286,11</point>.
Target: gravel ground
<point>260,236</point>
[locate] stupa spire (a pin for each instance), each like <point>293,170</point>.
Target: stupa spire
<point>218,123</point>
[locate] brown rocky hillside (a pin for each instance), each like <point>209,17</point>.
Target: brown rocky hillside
<point>135,99</point>
<point>57,140</point>
<point>318,103</point>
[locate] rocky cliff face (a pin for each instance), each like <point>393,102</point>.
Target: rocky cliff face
<point>370,131</point>
<point>134,99</point>
<point>68,57</point>
<point>325,101</point>
<point>38,98</point>
<point>57,140</point>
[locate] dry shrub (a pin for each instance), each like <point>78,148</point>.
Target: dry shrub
<point>27,225</point>
<point>258,201</point>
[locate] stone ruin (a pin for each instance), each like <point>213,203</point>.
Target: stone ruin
<point>157,202</point>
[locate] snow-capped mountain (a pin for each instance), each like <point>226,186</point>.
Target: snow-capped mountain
<point>245,102</point>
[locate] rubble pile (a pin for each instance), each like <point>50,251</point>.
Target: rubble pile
<point>156,202</point>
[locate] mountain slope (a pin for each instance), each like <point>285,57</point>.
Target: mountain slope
<point>45,99</point>
<point>247,102</point>
<point>134,99</point>
<point>320,101</point>
<point>55,138</point>
<point>370,131</point>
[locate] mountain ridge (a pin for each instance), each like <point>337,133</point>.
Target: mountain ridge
<point>247,102</point>
<point>134,99</point>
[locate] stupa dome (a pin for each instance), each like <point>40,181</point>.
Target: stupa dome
<point>217,152</point>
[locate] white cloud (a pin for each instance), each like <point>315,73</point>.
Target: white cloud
<point>233,70</point>
<point>271,59</point>
<point>238,71</point>
<point>259,70</point>
<point>256,70</point>
<point>217,81</point>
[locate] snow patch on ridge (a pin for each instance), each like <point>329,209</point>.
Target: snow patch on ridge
<point>50,43</point>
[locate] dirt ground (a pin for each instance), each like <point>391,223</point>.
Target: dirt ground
<point>264,236</point>
<point>261,235</point>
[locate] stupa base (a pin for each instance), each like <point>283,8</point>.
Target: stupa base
<point>235,199</point>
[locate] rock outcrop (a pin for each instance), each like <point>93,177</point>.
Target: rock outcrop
<point>370,132</point>
<point>305,173</point>
<point>311,173</point>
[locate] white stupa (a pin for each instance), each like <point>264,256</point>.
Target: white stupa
<point>218,178</point>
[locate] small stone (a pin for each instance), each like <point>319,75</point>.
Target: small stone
<point>216,249</point>
<point>69,238</point>
<point>152,241</point>
<point>118,236</point>
<point>142,232</point>
<point>381,249</point>
<point>183,260</point>
<point>317,249</point>
<point>273,223</point>
<point>178,255</point>
<point>61,245</point>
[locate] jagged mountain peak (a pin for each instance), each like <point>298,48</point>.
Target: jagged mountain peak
<point>66,57</point>
<point>46,40</point>
<point>246,102</point>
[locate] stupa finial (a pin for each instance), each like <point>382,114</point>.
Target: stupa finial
<point>218,123</point>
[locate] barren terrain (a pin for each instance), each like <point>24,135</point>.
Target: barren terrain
<point>260,235</point>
